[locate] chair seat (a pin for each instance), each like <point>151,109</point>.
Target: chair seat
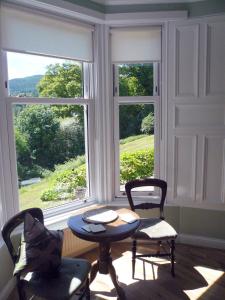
<point>154,229</point>
<point>70,277</point>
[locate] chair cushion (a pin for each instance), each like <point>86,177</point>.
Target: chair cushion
<point>68,279</point>
<point>155,229</point>
<point>40,249</point>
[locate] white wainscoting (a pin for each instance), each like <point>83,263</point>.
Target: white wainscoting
<point>196,112</point>
<point>215,58</point>
<point>186,75</point>
<point>184,179</point>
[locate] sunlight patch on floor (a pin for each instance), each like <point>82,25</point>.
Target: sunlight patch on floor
<point>103,288</point>
<point>210,275</point>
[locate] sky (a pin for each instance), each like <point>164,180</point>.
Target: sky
<point>23,65</point>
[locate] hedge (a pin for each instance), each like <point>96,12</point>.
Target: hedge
<point>136,164</point>
<point>133,165</point>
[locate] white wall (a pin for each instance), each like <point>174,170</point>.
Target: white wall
<point>196,114</point>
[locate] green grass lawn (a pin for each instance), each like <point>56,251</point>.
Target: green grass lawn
<point>30,195</point>
<point>138,144</point>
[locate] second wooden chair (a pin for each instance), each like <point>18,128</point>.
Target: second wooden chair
<point>152,229</point>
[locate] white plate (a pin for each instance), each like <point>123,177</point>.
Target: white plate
<point>100,216</point>
<point>128,218</point>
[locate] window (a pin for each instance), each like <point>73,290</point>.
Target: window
<point>50,138</point>
<point>49,108</point>
<point>136,101</point>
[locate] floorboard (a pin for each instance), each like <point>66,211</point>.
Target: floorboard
<point>200,274</point>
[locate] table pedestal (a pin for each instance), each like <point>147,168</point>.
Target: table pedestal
<point>104,266</point>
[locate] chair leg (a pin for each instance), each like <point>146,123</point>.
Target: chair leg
<point>172,248</point>
<point>85,293</point>
<point>88,293</point>
<point>134,248</point>
<point>21,293</point>
<point>159,245</point>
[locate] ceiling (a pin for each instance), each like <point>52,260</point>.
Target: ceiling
<point>129,2</point>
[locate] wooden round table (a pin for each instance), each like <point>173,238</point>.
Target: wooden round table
<point>115,231</point>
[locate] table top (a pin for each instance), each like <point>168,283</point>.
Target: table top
<point>115,231</point>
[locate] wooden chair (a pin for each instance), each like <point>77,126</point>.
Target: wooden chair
<point>152,229</point>
<point>71,279</point>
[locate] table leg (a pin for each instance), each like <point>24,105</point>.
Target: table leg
<point>113,276</point>
<point>94,271</point>
<point>105,266</point>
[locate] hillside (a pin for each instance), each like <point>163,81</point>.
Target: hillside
<point>34,191</point>
<point>24,86</point>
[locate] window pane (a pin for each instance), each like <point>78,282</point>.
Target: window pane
<point>136,142</point>
<point>50,150</point>
<point>40,76</point>
<point>136,79</point>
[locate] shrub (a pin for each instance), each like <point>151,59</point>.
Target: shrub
<point>134,165</point>
<point>137,164</point>
<point>147,125</point>
<point>66,184</point>
<point>50,195</point>
<point>74,178</point>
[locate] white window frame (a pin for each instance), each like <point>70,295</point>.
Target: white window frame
<point>156,101</point>
<point>88,103</point>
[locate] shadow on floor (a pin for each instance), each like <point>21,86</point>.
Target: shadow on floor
<point>199,275</point>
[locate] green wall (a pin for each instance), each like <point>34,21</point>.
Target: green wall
<point>195,9</point>
<point>6,267</point>
<point>193,221</point>
<point>144,8</point>
<point>208,7</point>
<point>202,222</point>
<point>88,4</point>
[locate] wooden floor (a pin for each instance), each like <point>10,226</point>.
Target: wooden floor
<point>200,274</point>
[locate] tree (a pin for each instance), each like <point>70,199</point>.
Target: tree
<point>63,81</point>
<point>136,80</point>
<point>147,124</point>
<point>131,117</point>
<point>39,126</point>
<point>70,140</point>
<point>130,86</point>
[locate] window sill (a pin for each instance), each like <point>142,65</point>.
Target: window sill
<point>57,218</point>
<point>123,201</point>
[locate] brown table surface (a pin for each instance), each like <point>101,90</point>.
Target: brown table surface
<point>115,231</point>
